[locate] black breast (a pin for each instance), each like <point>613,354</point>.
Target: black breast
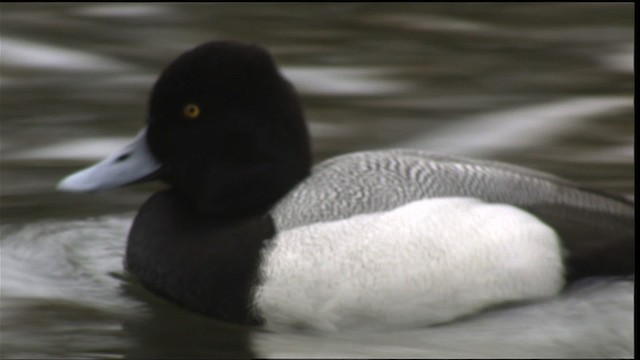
<point>201,263</point>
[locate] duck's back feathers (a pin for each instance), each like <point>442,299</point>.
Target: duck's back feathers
<point>588,222</point>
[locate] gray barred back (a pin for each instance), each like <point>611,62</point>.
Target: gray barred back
<point>594,227</point>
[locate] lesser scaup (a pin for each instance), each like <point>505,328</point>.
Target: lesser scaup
<point>248,232</point>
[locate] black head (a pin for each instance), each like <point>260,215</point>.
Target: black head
<point>228,129</point>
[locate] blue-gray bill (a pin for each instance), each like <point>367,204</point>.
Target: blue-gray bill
<point>128,165</point>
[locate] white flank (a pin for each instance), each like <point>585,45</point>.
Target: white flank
<point>424,263</point>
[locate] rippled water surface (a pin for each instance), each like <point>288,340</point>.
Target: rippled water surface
<point>544,85</point>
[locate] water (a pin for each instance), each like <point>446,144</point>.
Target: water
<point>546,85</point>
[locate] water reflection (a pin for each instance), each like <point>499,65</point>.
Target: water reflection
<point>557,328</point>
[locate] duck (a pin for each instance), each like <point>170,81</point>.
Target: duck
<point>250,231</point>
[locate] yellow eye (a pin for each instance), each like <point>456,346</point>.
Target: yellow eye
<point>191,111</point>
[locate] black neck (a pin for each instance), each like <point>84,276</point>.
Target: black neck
<point>200,262</point>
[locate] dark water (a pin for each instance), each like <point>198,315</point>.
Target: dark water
<point>544,85</point>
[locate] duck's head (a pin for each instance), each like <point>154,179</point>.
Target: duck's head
<point>224,128</point>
